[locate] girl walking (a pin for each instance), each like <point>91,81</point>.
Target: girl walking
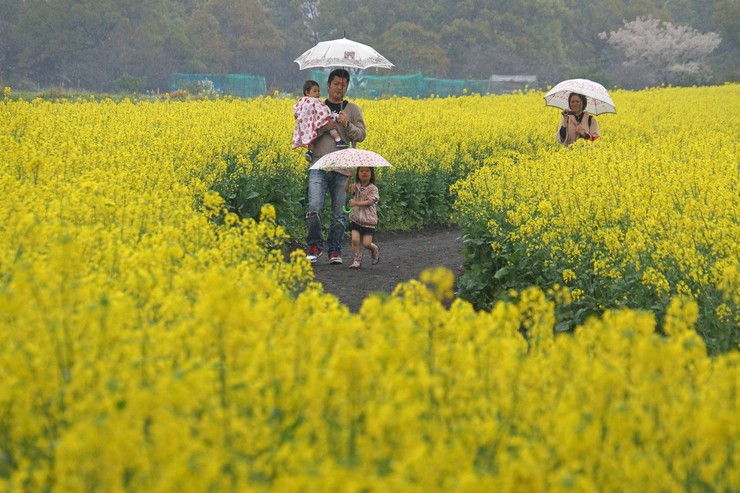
<point>364,216</point>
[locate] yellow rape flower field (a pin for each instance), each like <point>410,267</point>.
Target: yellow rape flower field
<point>156,338</point>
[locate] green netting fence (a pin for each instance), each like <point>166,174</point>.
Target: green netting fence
<point>418,86</point>
<point>242,85</point>
<point>361,85</point>
<point>377,86</point>
<point>450,87</point>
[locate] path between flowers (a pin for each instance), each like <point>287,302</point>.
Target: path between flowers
<point>403,256</point>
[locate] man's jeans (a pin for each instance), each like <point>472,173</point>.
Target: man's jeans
<point>319,183</point>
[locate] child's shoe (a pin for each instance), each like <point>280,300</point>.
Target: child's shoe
<point>357,262</point>
<point>309,156</point>
<point>341,144</point>
<point>375,256</point>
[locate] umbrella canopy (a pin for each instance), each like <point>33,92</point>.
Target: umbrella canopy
<point>598,99</point>
<point>350,158</point>
<point>342,53</point>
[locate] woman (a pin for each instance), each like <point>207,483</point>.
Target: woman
<point>577,123</point>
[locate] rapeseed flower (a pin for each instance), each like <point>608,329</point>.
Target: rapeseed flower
<point>156,340</point>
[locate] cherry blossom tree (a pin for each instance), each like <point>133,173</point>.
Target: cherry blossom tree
<point>663,53</point>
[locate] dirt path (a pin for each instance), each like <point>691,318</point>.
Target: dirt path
<point>402,257</point>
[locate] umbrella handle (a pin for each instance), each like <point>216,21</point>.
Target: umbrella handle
<point>346,208</point>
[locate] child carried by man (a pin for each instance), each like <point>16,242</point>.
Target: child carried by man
<point>310,115</point>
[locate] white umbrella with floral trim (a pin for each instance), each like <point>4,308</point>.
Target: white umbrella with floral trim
<point>342,53</point>
<point>598,99</point>
<point>350,158</point>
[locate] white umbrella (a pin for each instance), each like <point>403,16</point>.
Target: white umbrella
<point>598,99</point>
<point>342,53</point>
<point>350,158</point>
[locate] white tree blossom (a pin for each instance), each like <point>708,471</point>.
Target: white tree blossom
<point>663,52</point>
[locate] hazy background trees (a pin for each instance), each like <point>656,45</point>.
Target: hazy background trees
<point>134,45</point>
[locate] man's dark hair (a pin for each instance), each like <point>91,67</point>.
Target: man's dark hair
<point>339,72</point>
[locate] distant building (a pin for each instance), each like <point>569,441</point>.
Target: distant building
<point>524,79</point>
<point>507,83</point>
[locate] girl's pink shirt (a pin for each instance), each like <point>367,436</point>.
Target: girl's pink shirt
<point>366,216</point>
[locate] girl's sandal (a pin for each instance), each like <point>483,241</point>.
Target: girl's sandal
<point>357,262</point>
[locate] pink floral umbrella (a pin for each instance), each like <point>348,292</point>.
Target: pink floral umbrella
<point>597,97</point>
<point>350,158</point>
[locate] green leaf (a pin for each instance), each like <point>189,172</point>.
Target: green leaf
<point>562,327</point>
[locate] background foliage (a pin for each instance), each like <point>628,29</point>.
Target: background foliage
<point>135,46</point>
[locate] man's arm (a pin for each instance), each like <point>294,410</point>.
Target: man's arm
<point>355,128</point>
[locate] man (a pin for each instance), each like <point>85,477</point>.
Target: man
<point>348,120</point>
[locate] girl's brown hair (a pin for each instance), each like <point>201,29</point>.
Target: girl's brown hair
<point>308,85</point>
<point>372,174</point>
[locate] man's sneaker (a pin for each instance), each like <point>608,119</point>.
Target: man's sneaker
<point>341,144</point>
<point>314,253</point>
<point>309,156</point>
<point>335,258</point>
<point>375,256</point>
